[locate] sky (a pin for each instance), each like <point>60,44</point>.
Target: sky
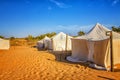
<point>20,18</point>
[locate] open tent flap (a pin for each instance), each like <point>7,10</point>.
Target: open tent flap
<point>116,54</point>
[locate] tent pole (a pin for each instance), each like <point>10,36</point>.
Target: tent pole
<point>66,42</point>
<point>111,56</point>
<point>109,33</point>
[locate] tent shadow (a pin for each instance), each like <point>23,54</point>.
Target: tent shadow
<point>106,78</point>
<point>61,57</point>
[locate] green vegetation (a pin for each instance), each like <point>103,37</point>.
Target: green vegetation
<point>80,33</point>
<point>116,29</point>
<point>32,40</point>
<point>12,38</point>
<point>47,34</point>
<point>2,37</point>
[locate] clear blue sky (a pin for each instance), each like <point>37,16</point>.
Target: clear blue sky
<point>20,18</point>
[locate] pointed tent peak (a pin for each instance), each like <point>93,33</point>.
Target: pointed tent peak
<point>97,24</point>
<point>100,27</point>
<point>46,37</point>
<point>61,33</point>
<point>98,32</point>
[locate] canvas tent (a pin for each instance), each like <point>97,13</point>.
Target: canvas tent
<point>61,42</point>
<point>95,47</point>
<point>47,43</point>
<point>40,44</point>
<point>4,44</point>
<point>44,43</point>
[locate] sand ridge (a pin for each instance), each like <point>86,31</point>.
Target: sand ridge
<point>27,63</point>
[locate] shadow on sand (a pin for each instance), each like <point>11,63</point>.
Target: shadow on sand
<point>60,56</point>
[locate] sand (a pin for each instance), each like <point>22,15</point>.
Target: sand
<point>27,63</point>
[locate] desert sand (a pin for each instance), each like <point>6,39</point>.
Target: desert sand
<point>27,63</point>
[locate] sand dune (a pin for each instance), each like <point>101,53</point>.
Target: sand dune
<point>26,63</point>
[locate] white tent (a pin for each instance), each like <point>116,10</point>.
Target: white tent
<point>95,47</point>
<point>61,42</point>
<point>47,43</point>
<point>40,44</point>
<point>4,44</point>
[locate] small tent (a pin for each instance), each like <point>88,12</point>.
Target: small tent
<point>61,42</point>
<point>4,44</point>
<point>40,44</point>
<point>95,47</point>
<point>45,43</point>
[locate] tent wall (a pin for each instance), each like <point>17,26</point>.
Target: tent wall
<point>40,44</point>
<point>61,42</point>
<point>90,45</point>
<point>116,54</point>
<point>101,52</point>
<point>116,51</point>
<point>79,49</point>
<point>69,43</point>
<point>4,44</point>
<point>47,44</point>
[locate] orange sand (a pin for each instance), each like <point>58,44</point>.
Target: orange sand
<point>26,63</point>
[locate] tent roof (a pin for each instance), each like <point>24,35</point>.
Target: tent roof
<point>98,32</point>
<point>61,33</point>
<point>46,38</point>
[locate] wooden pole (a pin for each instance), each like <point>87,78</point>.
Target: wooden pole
<point>111,56</point>
<point>109,33</point>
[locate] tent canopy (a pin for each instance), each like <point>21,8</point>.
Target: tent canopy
<point>98,32</point>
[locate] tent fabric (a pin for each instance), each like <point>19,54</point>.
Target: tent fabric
<point>98,32</point>
<point>70,58</point>
<point>90,45</point>
<point>78,51</point>
<point>95,47</point>
<point>4,44</point>
<point>40,44</point>
<point>61,42</point>
<point>47,43</point>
